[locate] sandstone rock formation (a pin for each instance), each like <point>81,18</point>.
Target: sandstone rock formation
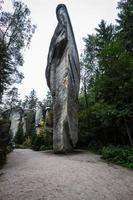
<point>28,121</point>
<point>15,118</point>
<point>22,118</point>
<point>39,121</point>
<point>63,77</point>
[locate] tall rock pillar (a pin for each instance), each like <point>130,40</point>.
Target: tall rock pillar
<point>63,78</point>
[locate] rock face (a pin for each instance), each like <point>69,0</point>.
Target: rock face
<point>48,118</point>
<point>38,116</point>
<point>23,118</point>
<point>39,121</point>
<point>63,78</point>
<point>28,121</point>
<point>15,118</point>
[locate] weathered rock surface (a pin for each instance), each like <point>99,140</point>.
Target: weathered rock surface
<point>39,121</point>
<point>38,116</point>
<point>23,118</point>
<point>48,118</point>
<point>15,118</point>
<point>63,77</point>
<point>28,121</point>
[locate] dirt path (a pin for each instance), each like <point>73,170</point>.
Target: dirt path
<point>30,175</point>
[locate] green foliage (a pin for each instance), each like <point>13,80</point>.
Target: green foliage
<point>30,101</point>
<point>122,155</point>
<point>4,75</point>
<point>44,148</point>
<point>106,99</point>
<point>49,119</point>
<point>5,139</point>
<point>98,125</point>
<point>37,142</point>
<point>15,34</point>
<point>27,143</point>
<point>42,141</point>
<point>125,25</point>
<point>19,137</point>
<point>48,137</point>
<point>48,101</point>
<point>11,99</point>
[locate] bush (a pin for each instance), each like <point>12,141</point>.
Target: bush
<point>19,137</point>
<point>27,142</point>
<point>5,139</point>
<point>43,141</point>
<point>95,146</point>
<point>122,155</point>
<point>43,148</point>
<point>37,142</point>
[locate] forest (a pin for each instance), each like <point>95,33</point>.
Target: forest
<point>106,92</point>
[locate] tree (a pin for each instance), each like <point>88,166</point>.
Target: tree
<point>109,96</point>
<point>11,99</point>
<point>48,101</point>
<point>15,34</point>
<point>30,101</point>
<point>4,72</point>
<point>33,100</point>
<point>104,34</point>
<point>125,25</point>
<point>19,137</point>
<point>88,64</point>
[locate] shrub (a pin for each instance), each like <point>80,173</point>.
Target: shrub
<point>43,148</point>
<point>27,142</point>
<point>19,137</point>
<point>37,142</point>
<point>42,141</point>
<point>5,139</point>
<point>122,155</point>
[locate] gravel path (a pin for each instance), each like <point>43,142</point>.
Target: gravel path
<point>30,175</point>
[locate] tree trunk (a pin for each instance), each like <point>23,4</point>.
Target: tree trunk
<point>128,133</point>
<point>85,94</point>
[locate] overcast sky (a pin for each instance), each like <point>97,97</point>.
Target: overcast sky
<point>85,16</point>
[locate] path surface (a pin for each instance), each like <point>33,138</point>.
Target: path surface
<point>30,175</point>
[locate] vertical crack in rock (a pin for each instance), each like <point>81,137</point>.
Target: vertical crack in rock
<point>63,79</point>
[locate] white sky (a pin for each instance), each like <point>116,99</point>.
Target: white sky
<point>85,16</point>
